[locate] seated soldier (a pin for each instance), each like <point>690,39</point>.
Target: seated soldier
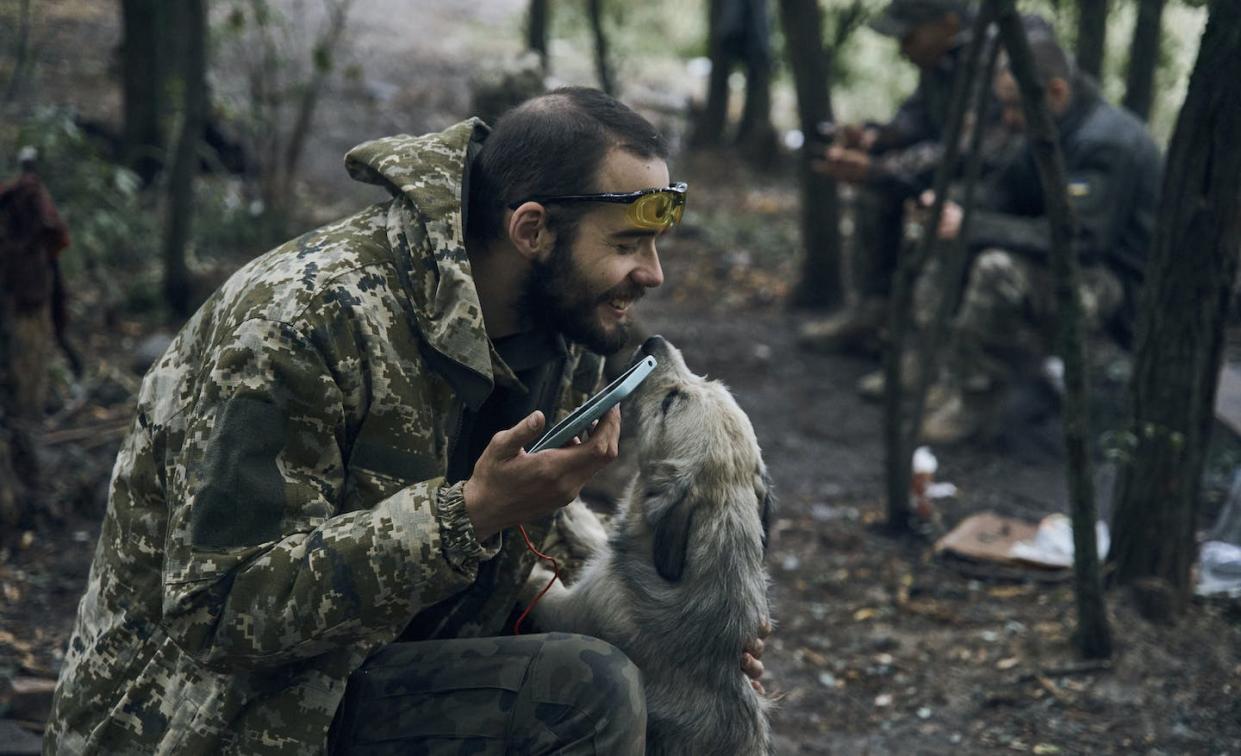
<point>895,161</point>
<point>1007,313</point>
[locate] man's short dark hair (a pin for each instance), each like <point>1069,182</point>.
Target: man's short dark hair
<point>553,144</point>
<point>1050,59</point>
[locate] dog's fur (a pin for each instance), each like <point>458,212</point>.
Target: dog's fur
<point>680,586</point>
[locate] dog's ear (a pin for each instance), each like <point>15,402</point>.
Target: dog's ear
<point>671,515</point>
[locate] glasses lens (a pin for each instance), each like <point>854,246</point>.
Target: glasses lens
<point>656,210</point>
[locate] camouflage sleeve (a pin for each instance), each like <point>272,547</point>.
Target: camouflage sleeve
<point>908,170</point>
<point>261,568</point>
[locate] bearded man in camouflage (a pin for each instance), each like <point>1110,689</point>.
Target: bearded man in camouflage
<point>318,499</point>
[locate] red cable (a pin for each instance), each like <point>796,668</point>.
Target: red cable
<point>546,588</point>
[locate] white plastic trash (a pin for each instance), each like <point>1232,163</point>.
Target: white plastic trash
<point>1052,544</point>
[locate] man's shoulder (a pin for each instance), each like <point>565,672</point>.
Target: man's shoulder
<point>1111,126</point>
<point>283,283</point>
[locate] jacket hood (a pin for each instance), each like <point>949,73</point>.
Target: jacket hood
<point>428,177</point>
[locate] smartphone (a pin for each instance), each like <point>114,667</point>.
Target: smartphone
<point>580,419</point>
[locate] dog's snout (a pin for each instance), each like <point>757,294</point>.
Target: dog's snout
<point>652,345</point>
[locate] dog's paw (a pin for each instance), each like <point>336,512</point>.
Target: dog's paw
<point>583,533</point>
<point>540,576</point>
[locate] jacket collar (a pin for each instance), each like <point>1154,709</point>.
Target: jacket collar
<point>427,176</point>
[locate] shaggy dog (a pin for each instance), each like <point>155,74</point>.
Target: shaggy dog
<point>679,586</point>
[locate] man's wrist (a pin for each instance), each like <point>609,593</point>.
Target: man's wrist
<point>484,528</point>
<point>462,543</point>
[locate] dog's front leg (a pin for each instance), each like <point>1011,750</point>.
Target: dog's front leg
<point>553,612</point>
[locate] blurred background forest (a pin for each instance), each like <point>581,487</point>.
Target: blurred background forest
<point>180,140</point>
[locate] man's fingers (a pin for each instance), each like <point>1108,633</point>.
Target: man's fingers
<point>753,668</point>
<point>755,647</point>
<point>507,443</point>
<point>764,628</point>
<point>607,433</point>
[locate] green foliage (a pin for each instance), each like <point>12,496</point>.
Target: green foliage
<point>110,223</point>
<point>116,228</point>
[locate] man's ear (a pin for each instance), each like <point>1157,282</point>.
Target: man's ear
<point>527,230</point>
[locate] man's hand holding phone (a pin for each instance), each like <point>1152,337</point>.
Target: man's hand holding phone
<point>843,152</point>
<point>511,486</point>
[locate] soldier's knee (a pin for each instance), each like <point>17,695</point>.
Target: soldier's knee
<point>996,278</point>
<point>599,679</point>
<point>994,262</point>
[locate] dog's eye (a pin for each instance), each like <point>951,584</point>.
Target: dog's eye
<point>668,400</point>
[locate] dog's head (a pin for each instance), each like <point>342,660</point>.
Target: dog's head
<point>699,462</point>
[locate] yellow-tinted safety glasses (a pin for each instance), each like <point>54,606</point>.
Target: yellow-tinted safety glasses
<point>653,209</point>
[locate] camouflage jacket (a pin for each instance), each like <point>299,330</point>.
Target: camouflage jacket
<point>278,510</point>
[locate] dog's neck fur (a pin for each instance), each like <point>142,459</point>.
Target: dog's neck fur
<point>738,562</point>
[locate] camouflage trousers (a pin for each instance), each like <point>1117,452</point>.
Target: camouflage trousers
<point>1007,314</point>
<point>554,693</point>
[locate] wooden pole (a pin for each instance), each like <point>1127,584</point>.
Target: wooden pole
<point>1093,637</point>
<point>897,434</point>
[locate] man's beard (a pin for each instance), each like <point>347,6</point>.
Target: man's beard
<point>558,297</point>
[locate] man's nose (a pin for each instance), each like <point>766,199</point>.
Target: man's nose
<point>649,272</point>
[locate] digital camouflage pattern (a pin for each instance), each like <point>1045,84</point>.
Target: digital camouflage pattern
<point>529,694</point>
<point>1008,311</point>
<point>275,513</point>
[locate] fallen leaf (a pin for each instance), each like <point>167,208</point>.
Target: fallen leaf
<point>862,615</point>
<point>1008,591</point>
<point>1008,663</point>
<point>1046,748</point>
<point>813,657</point>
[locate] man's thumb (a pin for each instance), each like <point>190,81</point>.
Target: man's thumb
<point>521,435</point>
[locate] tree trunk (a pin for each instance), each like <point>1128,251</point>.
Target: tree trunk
<point>820,284</point>
<point>536,30</point>
<point>1093,636</point>
<point>143,81</point>
<point>755,135</point>
<point>1143,58</point>
<point>1091,36</point>
<point>709,126</point>
<point>603,65</point>
<point>11,513</point>
<point>1181,323</point>
<point>193,36</point>
<point>20,53</point>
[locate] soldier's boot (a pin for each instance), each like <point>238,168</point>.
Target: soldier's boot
<point>961,416</point>
<point>858,329</point>
<point>872,386</point>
